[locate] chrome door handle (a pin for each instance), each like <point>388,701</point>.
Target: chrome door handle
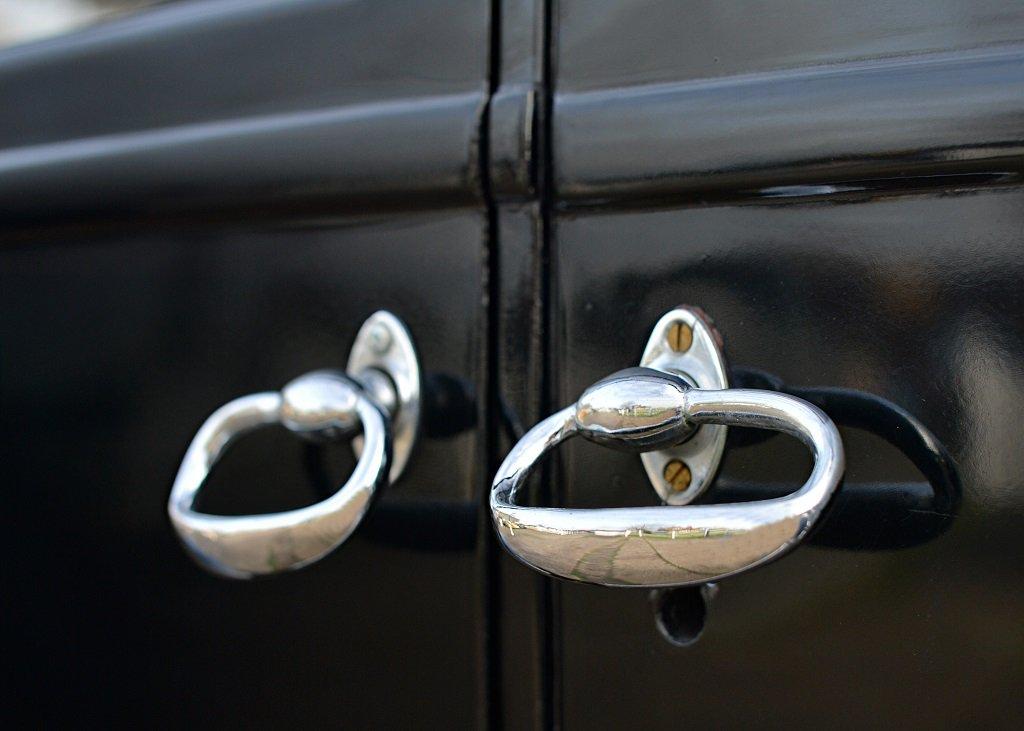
<point>642,409</point>
<point>380,397</point>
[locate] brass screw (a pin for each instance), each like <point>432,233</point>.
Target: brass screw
<point>677,475</point>
<point>680,336</point>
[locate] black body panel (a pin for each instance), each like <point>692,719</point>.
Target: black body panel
<point>208,202</point>
<point>208,199</point>
<point>898,297</point>
<point>837,186</point>
<point>133,336</point>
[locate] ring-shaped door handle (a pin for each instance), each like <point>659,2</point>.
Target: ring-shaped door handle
<point>377,402</point>
<point>641,409</point>
<point>322,404</point>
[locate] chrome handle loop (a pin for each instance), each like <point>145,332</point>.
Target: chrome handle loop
<point>320,405</point>
<point>641,409</point>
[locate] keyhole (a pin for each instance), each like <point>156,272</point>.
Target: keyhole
<point>680,613</point>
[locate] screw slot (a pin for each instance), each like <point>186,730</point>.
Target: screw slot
<point>685,343</point>
<point>677,474</point>
<point>679,336</point>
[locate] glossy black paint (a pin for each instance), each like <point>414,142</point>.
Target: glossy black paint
<point>806,133</point>
<point>202,202</point>
<point>605,44</point>
<point>524,684</point>
<point>257,107</point>
<point>211,198</point>
<point>670,102</point>
<point>837,185</point>
<point>901,514</point>
<point>234,59</point>
<point>900,297</point>
<point>134,337</point>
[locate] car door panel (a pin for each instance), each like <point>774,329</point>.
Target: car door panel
<point>838,188</point>
<point>209,201</point>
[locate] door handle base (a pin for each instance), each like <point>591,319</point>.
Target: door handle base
<point>685,343</point>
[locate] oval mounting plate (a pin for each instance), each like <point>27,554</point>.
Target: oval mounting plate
<point>383,343</point>
<point>702,364</point>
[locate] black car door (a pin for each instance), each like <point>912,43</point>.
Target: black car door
<point>837,186</point>
<point>206,200</point>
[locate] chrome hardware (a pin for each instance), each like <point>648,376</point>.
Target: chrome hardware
<point>384,361</point>
<point>700,362</point>
<point>322,405</point>
<point>642,409</point>
<point>634,410</point>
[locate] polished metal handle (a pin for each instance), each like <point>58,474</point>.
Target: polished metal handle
<point>381,400</point>
<point>642,409</point>
<point>320,404</point>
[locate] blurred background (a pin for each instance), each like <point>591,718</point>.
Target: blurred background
<point>28,20</point>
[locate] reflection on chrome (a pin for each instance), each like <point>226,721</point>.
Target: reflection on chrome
<point>665,545</point>
<point>322,404</point>
<point>380,395</point>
